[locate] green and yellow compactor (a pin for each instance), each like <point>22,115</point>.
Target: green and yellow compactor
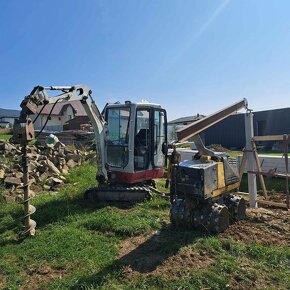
<point>204,190</point>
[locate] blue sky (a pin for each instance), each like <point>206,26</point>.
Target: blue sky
<point>190,56</point>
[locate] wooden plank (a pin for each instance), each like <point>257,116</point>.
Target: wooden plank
<point>264,202</point>
<point>279,175</point>
<point>272,203</point>
<point>269,138</point>
<point>242,165</point>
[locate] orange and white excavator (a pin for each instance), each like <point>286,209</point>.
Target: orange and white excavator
<point>131,144</point>
<point>131,140</point>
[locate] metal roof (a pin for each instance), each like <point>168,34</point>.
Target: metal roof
<point>9,113</point>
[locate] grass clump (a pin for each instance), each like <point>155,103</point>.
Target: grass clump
<point>4,136</point>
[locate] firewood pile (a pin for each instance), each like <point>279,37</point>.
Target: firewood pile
<point>48,166</point>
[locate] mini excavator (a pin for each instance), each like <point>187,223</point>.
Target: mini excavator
<point>131,140</point>
<point>203,189</point>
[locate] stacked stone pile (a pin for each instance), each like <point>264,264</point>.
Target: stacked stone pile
<point>47,167</point>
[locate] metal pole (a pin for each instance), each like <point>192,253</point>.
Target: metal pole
<point>286,144</point>
<point>252,182</point>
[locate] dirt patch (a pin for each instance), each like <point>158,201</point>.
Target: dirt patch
<point>5,131</point>
<point>278,197</point>
<point>181,264</point>
<point>3,281</point>
<point>130,244</point>
<point>35,277</point>
<point>154,255</point>
<point>218,148</point>
<point>268,227</point>
<point>143,254</point>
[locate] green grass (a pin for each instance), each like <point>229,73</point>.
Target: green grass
<point>267,153</point>
<point>5,136</point>
<point>234,154</point>
<point>80,241</point>
<point>273,185</point>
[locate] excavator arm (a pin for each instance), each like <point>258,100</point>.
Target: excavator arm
<point>23,130</point>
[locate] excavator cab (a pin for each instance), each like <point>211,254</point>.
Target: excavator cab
<point>136,142</point>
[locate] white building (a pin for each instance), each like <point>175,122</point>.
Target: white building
<point>7,117</point>
<point>179,123</point>
<point>61,113</point>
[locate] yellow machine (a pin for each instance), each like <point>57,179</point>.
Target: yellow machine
<point>203,189</point>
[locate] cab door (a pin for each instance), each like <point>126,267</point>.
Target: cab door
<point>142,148</point>
<point>159,138</point>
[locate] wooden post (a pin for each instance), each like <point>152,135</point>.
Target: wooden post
<point>242,165</point>
<point>261,177</point>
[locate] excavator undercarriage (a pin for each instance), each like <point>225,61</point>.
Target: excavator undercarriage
<point>118,193</point>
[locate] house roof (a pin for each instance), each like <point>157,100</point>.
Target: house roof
<point>59,107</point>
<point>186,119</point>
<point>9,113</point>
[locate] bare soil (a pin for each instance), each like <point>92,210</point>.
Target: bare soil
<point>145,254</point>
<point>34,277</point>
<point>264,226</point>
<point>218,148</point>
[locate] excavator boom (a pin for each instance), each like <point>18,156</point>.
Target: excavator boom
<point>39,96</point>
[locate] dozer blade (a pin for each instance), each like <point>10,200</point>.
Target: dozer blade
<point>118,194</point>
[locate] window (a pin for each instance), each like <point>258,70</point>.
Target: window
<point>118,126</point>
<point>159,137</point>
<point>142,141</point>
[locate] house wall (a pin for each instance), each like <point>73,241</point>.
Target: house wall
<point>275,122</point>
<point>68,114</point>
<point>230,133</point>
<point>56,122</point>
<point>171,132</point>
<point>4,125</point>
<point>75,123</point>
<point>10,120</point>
